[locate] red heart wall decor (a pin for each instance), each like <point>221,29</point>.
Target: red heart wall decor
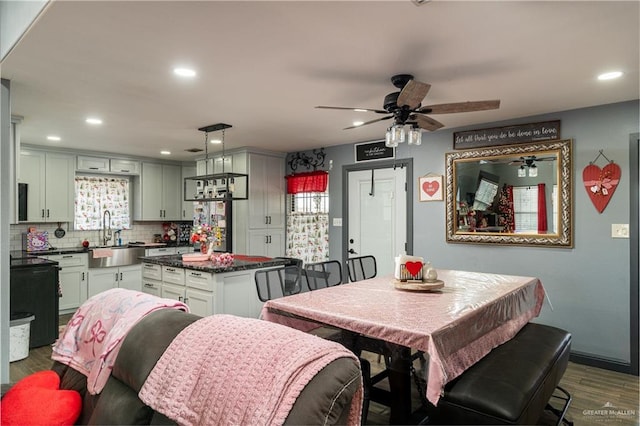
<point>601,183</point>
<point>431,187</point>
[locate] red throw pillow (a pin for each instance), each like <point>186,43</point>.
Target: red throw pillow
<point>37,400</point>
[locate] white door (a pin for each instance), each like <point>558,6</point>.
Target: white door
<point>378,215</point>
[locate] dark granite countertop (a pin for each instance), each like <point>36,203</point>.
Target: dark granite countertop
<point>28,262</point>
<point>21,254</point>
<point>240,263</point>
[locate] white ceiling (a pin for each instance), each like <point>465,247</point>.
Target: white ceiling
<point>262,67</point>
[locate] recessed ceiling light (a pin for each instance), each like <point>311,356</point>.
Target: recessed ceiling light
<point>610,75</point>
<point>54,138</point>
<point>93,120</point>
<point>165,152</point>
<point>360,110</point>
<point>216,141</point>
<point>358,123</point>
<point>184,72</point>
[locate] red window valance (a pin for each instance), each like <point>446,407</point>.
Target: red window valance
<point>315,181</point>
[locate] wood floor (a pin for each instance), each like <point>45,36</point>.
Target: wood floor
<point>600,397</point>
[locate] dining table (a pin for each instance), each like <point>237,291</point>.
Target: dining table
<point>453,326</point>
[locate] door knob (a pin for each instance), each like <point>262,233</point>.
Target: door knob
<point>352,251</point>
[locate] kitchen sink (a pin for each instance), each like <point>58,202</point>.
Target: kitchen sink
<point>120,256</point>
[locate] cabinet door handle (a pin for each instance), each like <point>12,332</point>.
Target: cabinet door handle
<point>82,277</point>
<point>120,276</point>
<point>266,239</point>
<point>171,270</point>
<point>47,212</point>
<point>196,274</point>
<point>186,299</point>
<point>93,168</point>
<point>116,276</point>
<point>124,171</point>
<point>180,298</point>
<point>148,285</point>
<point>43,213</point>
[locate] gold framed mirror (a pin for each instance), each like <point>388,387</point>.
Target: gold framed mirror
<point>514,195</point>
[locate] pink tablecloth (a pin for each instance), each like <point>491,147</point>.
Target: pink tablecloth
<point>456,326</point>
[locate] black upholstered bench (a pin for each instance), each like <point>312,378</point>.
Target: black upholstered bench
<point>512,384</point>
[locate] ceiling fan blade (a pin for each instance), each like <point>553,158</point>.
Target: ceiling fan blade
<point>413,94</point>
<point>369,122</point>
<point>378,111</point>
<point>461,107</point>
<point>428,123</point>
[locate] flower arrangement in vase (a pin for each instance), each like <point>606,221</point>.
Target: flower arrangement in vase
<point>203,234</point>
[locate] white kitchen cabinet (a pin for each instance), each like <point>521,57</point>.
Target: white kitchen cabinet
<point>266,242</point>
<point>152,287</point>
<point>131,167</point>
<point>92,164</point>
<point>266,191</point>
<point>50,178</point>
<point>184,249</point>
<point>215,165</point>
<point>160,251</point>
<point>152,279</point>
<point>102,279</point>
<point>73,276</point>
<point>200,302</point>
<point>158,193</point>
<point>186,211</point>
<point>107,165</point>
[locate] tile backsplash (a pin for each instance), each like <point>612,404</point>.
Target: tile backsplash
<point>138,232</point>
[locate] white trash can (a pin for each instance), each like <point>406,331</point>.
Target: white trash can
<point>19,333</point>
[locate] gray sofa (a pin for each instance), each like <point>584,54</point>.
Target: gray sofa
<point>325,399</point>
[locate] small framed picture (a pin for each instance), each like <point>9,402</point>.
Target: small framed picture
<point>430,187</point>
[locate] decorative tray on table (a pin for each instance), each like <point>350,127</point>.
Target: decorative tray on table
<point>416,285</point>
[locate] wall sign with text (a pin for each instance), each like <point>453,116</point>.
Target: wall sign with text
<point>373,151</point>
<point>509,135</point>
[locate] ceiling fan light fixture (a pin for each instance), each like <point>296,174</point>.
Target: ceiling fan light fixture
<point>389,142</point>
<point>398,134</point>
<point>414,136</point>
<point>533,171</point>
<point>358,123</point>
<point>522,172</point>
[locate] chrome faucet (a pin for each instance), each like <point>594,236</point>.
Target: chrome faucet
<point>106,227</point>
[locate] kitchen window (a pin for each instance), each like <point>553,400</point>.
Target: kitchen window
<point>308,226</point>
<point>94,195</point>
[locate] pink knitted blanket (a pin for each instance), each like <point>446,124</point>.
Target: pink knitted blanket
<point>227,370</point>
<point>92,338</point>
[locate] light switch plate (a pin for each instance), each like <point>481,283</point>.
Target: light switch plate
<point>337,221</point>
<point>619,230</point>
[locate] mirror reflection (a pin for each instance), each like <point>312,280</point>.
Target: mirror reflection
<point>516,194</point>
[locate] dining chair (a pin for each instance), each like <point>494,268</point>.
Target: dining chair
<point>362,268</point>
<point>278,282</point>
<point>323,274</point>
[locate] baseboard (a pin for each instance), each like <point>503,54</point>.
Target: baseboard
<point>607,364</point>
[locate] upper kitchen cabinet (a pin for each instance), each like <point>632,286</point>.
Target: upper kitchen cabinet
<point>266,191</point>
<point>158,192</point>
<point>186,212</point>
<point>107,165</point>
<point>49,179</point>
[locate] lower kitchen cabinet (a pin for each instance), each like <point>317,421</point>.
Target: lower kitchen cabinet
<point>266,242</point>
<point>205,293</point>
<point>74,276</point>
<point>102,279</point>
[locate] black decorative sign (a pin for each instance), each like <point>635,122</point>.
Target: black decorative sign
<point>521,133</point>
<point>373,151</point>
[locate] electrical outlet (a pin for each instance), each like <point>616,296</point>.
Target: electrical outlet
<point>337,221</point>
<point>619,230</point>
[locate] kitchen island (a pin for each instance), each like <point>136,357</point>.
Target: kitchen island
<point>207,287</point>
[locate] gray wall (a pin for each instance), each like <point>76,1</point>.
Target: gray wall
<point>588,285</point>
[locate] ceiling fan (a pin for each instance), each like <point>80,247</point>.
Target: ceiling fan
<point>405,106</point>
<point>530,160</point>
